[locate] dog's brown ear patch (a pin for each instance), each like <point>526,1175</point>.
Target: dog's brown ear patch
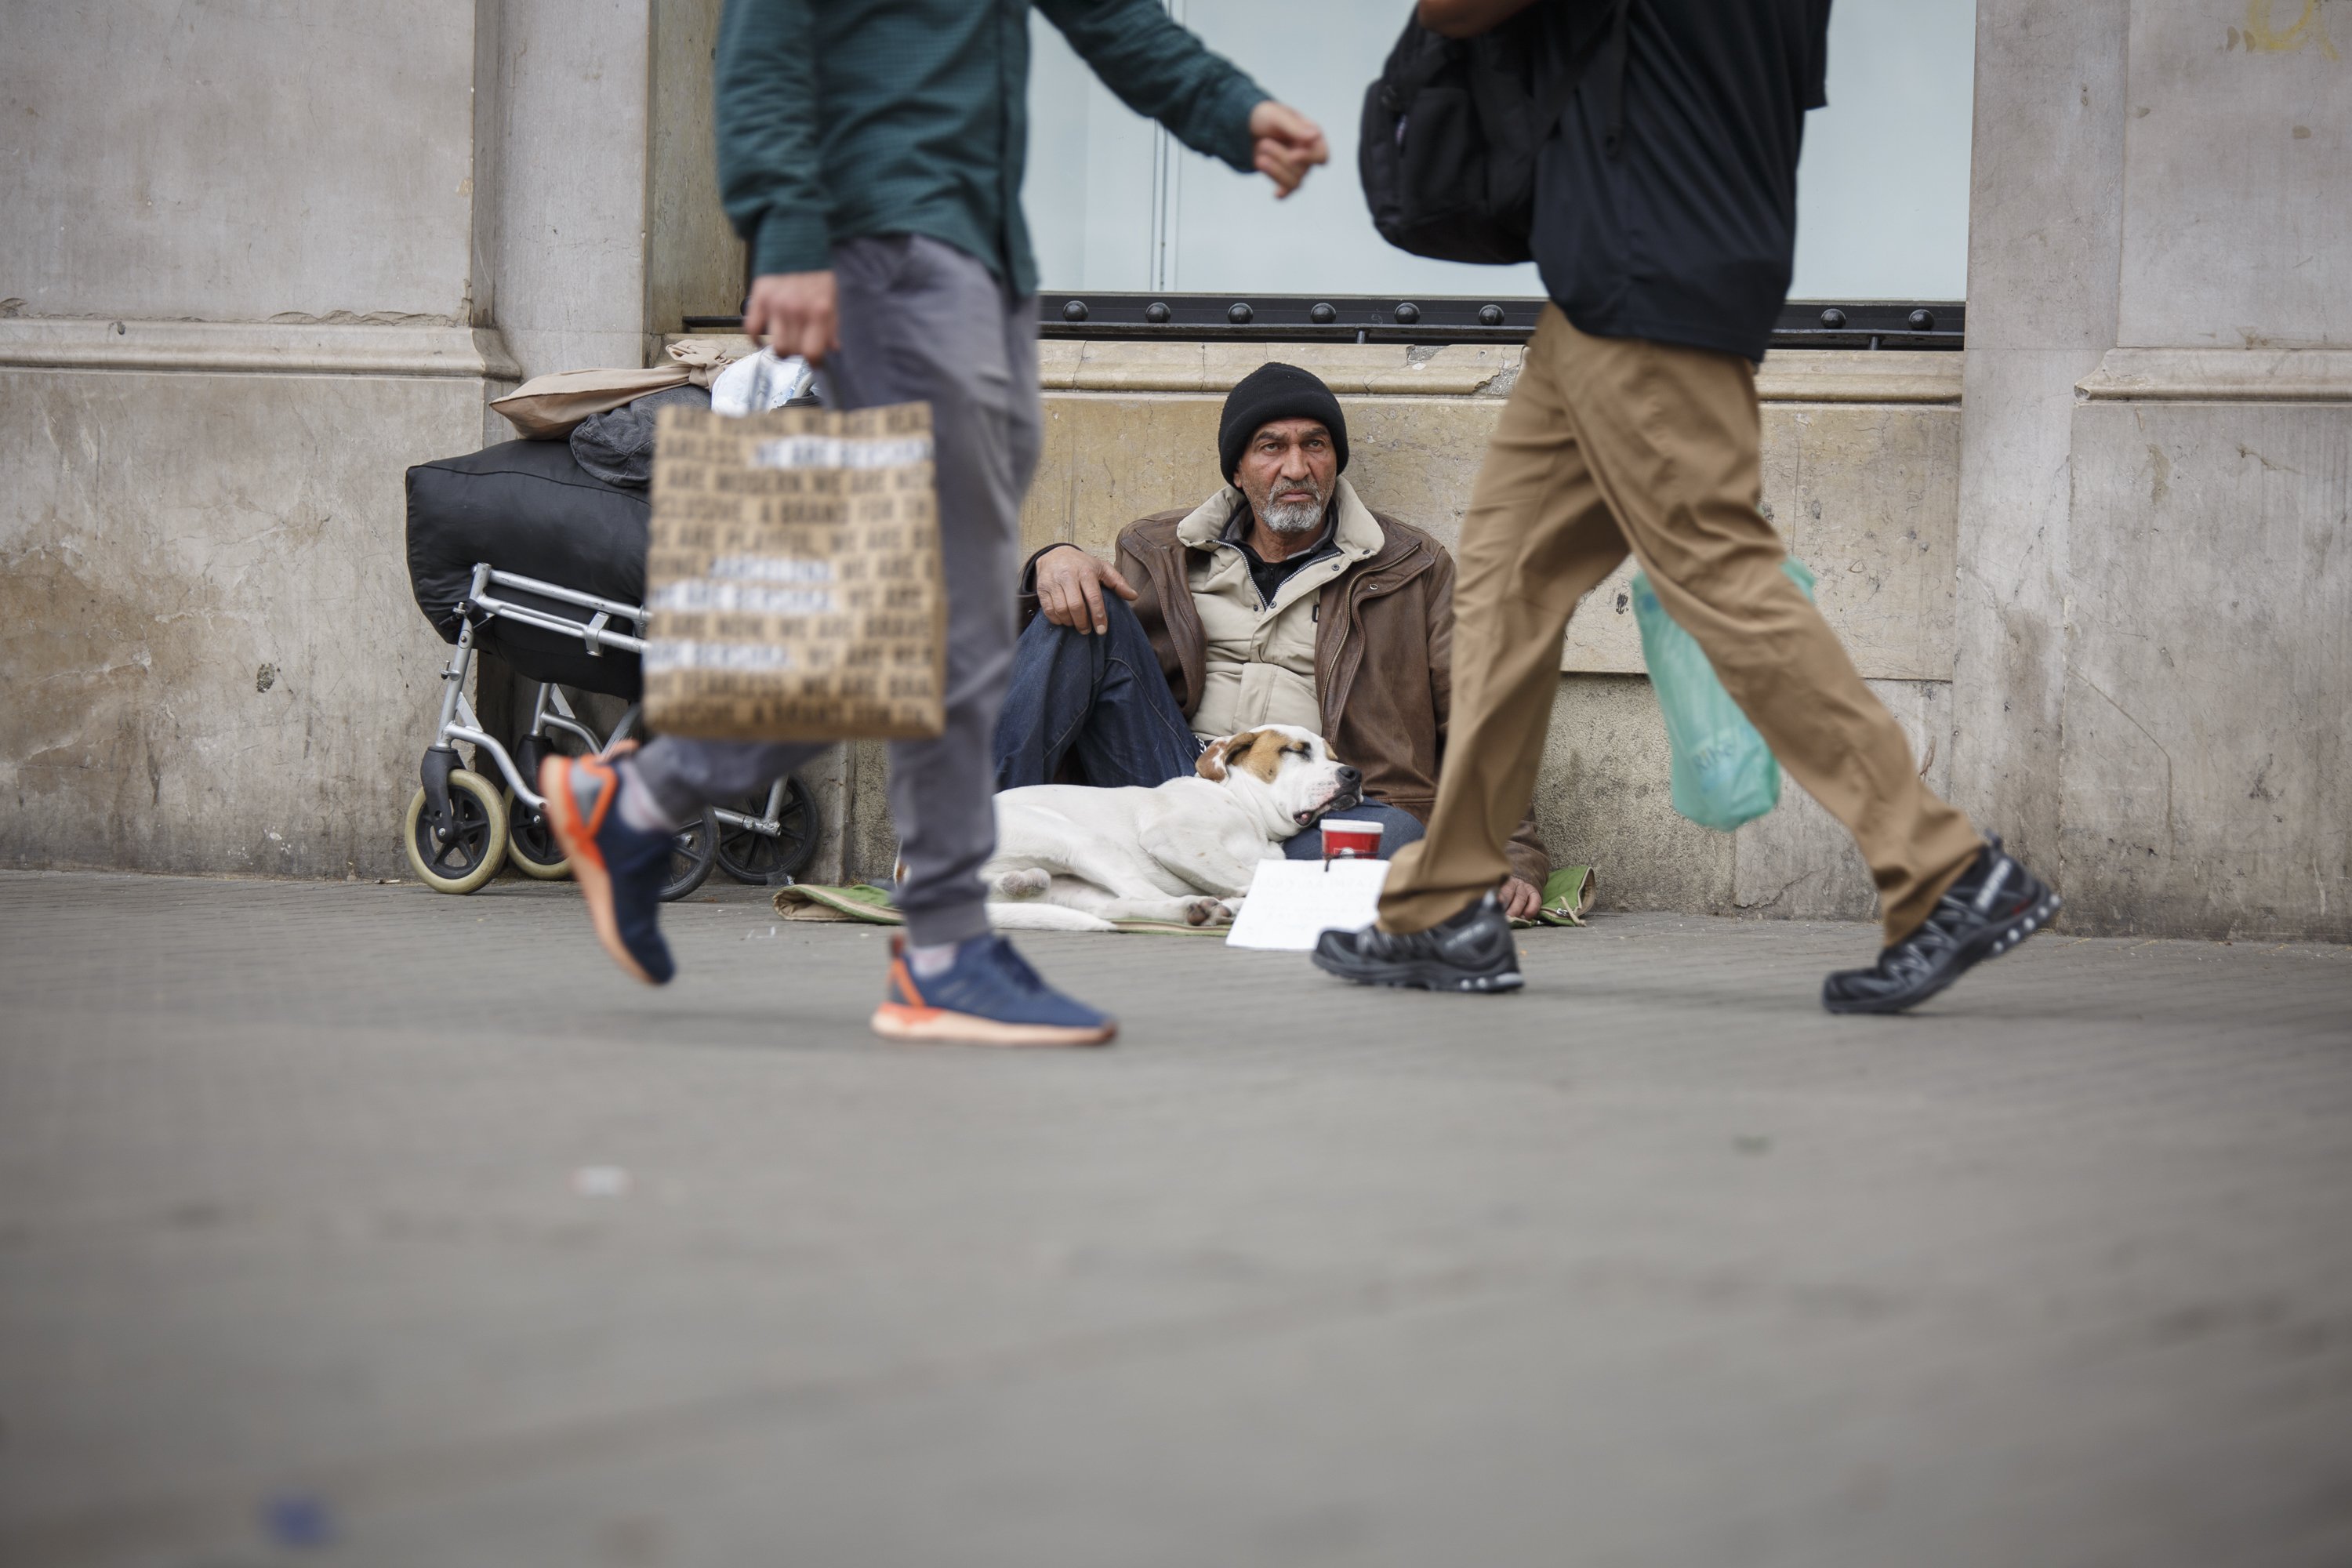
<point>1264,753</point>
<point>1211,766</point>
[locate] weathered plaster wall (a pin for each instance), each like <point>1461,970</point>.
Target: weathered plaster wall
<point>257,263</point>
<point>2207,774</point>
<point>2236,132</point>
<point>213,665</point>
<point>2152,671</point>
<point>244,286</point>
<point>226,162</point>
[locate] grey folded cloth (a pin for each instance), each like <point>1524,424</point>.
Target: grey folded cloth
<point>617,445</point>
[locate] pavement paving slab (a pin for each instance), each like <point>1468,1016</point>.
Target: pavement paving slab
<point>354,1223</point>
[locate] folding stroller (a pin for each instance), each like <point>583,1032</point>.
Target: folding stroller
<point>516,549</point>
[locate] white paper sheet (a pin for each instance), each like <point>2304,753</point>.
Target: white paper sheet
<point>1292,902</point>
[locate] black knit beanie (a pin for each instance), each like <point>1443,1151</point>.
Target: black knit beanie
<point>1275,392</point>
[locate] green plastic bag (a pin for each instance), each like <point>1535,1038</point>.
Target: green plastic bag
<point>1722,770</point>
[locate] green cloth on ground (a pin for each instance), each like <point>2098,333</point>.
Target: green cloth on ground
<point>857,902</point>
<point>1568,895</point>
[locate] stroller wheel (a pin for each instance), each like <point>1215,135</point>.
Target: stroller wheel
<point>472,856</point>
<point>690,856</point>
<point>531,844</point>
<point>755,857</point>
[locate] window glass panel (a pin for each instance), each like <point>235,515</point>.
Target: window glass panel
<point>1883,189</point>
<point>1116,204</point>
<point>1231,237</point>
<point>1090,194</point>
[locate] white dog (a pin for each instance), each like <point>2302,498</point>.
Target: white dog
<point>1071,857</point>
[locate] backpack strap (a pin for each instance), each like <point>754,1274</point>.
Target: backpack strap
<point>1399,85</point>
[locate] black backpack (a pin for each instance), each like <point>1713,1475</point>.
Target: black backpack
<point>1452,129</point>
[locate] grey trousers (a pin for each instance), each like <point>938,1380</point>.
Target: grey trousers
<point>922,321</point>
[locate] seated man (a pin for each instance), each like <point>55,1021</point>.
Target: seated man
<point>1281,599</point>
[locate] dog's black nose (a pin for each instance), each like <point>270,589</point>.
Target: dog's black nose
<point>1349,776</point>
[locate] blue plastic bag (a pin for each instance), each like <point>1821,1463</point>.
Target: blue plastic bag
<point>1722,770</point>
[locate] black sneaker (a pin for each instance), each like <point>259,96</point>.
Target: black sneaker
<point>1995,905</point>
<point>1472,952</point>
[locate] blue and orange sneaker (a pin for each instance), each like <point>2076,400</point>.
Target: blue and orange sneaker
<point>620,869</point>
<point>988,996</point>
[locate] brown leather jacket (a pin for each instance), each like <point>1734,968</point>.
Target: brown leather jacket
<point>1383,658</point>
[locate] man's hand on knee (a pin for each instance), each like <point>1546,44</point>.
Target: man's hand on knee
<point>793,313</point>
<point>1070,586</point>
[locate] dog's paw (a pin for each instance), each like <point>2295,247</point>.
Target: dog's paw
<point>1028,883</point>
<point>1208,913</point>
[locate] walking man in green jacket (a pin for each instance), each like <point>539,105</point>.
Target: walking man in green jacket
<point>871,154</point>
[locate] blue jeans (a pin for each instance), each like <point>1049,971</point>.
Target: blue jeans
<point>1100,697</point>
<point>1103,697</point>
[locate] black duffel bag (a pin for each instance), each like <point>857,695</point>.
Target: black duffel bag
<point>528,507</point>
<point>1451,128</point>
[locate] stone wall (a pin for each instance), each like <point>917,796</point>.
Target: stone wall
<point>2153,667</point>
<point>254,265</point>
<point>211,659</point>
<point>248,277</point>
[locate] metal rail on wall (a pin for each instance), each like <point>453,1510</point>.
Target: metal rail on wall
<point>1450,318</point>
<point>1461,319</point>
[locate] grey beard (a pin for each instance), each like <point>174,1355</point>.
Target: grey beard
<point>1292,517</point>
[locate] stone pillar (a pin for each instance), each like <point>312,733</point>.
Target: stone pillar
<point>609,229</point>
<point>2043,234</point>
<point>2155,575</point>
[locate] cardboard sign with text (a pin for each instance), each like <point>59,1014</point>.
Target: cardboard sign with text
<point>793,577</point>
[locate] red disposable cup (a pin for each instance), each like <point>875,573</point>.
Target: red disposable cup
<point>1352,840</point>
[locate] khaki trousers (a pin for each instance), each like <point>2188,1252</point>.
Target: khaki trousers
<point>1610,444</point>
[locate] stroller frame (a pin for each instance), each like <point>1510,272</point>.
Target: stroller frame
<point>552,711</point>
<point>458,722</point>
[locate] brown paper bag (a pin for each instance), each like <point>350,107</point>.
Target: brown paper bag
<point>794,576</point>
<point>547,408</point>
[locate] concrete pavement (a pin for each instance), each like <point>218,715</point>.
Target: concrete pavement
<point>357,1224</point>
